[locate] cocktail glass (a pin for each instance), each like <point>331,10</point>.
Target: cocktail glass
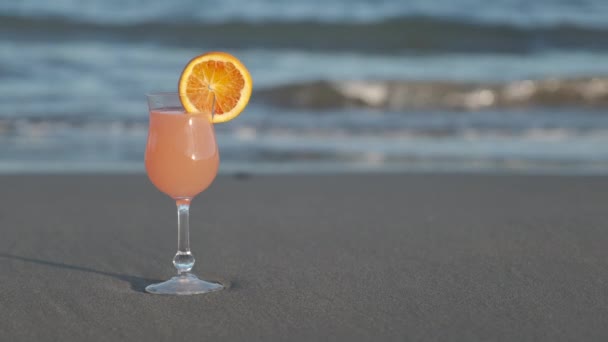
<point>182,159</point>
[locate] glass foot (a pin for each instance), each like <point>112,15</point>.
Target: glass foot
<point>186,284</point>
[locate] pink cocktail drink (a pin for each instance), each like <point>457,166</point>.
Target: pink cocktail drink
<point>182,157</point>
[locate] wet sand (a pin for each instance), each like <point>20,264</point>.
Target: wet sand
<point>358,257</point>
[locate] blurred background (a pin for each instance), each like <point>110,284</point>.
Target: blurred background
<point>339,85</point>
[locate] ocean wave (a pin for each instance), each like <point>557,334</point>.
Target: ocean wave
<point>117,11</point>
<point>401,95</point>
<point>415,34</point>
<point>61,148</point>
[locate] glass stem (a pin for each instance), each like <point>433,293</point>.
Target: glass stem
<point>183,260</point>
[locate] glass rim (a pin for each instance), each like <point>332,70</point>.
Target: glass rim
<point>171,100</point>
<point>163,93</point>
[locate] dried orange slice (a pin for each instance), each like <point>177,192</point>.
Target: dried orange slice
<point>220,74</point>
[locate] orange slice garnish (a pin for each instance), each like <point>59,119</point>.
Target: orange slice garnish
<point>216,75</point>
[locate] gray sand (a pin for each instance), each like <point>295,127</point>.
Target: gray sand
<point>360,257</point>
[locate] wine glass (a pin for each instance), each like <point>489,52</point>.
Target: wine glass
<point>182,159</point>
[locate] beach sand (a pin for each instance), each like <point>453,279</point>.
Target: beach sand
<point>359,257</point>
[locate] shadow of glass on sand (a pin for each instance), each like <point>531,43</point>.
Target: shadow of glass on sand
<point>137,283</point>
